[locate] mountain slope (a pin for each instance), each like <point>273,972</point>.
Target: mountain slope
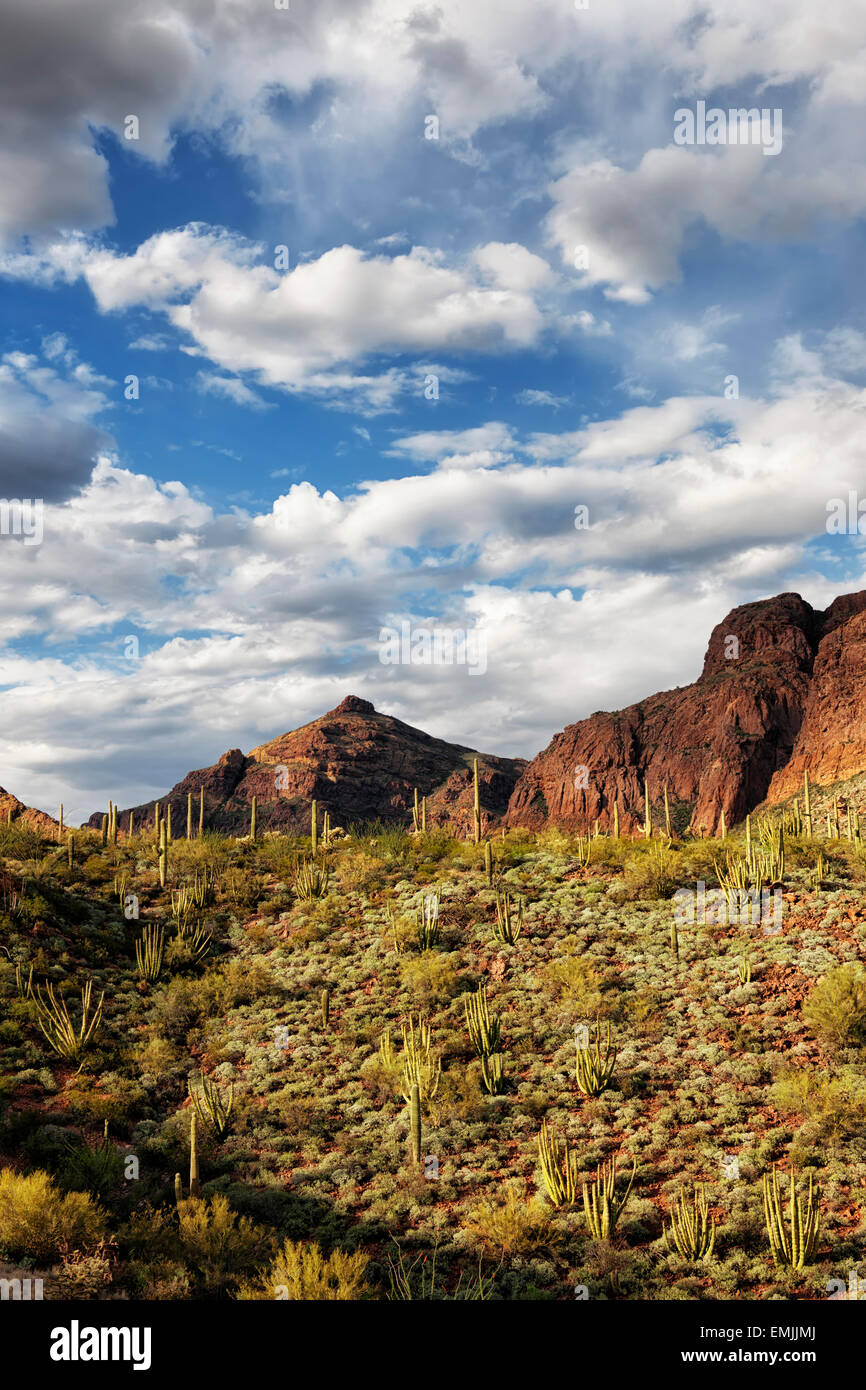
<point>767,692</point>
<point>357,763</point>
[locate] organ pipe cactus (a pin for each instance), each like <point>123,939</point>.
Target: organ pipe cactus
<point>311,882</point>
<point>558,1168</point>
<point>509,919</point>
<point>484,1031</point>
<point>210,1106</point>
<point>792,1238</point>
<point>692,1231</point>
<point>149,952</point>
<point>601,1206</point>
<point>594,1068</point>
<point>428,922</point>
<point>52,1015</point>
<point>493,1073</point>
<point>421,1066</point>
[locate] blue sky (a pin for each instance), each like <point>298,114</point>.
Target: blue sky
<point>282,487</point>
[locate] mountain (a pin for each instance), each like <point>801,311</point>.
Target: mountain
<point>13,810</point>
<point>782,688</point>
<point>356,763</point>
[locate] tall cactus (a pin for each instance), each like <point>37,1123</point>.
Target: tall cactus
<point>807,804</point>
<point>163,854</point>
<point>558,1168</point>
<point>326,1007</point>
<point>168,823</point>
<point>200,812</point>
<point>692,1230</point>
<point>667,814</point>
<point>594,1069</point>
<point>477,802</point>
<point>253,819</point>
<point>194,1181</point>
<point>105,830</point>
<point>149,952</point>
<point>70,849</point>
<point>210,1106</point>
<point>60,831</point>
<point>415,1122</point>
<point>488,863</point>
<point>601,1206</point>
<point>792,1242</point>
<point>484,1030</point>
<point>314,828</point>
<point>616,819</point>
<point>647,812</point>
<point>189,815</point>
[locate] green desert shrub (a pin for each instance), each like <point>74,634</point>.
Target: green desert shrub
<point>301,1272</point>
<point>510,1225</point>
<point>38,1222</point>
<point>218,1243</point>
<point>833,1107</point>
<point>836,1008</point>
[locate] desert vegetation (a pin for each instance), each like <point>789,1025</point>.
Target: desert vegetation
<point>385,1062</point>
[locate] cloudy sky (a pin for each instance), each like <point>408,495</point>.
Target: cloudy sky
<point>322,319</point>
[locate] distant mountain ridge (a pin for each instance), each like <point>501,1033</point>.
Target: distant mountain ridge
<point>357,763</point>
<point>783,689</point>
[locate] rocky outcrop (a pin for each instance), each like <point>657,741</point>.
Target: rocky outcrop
<point>358,764</point>
<point>831,743</point>
<point>724,742</point>
<point>13,810</point>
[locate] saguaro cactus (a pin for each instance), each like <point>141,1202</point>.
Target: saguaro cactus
<point>163,853</point>
<point>189,815</point>
<point>70,849</point>
<point>314,828</point>
<point>807,804</point>
<point>201,812</point>
<point>415,1122</point>
<point>477,805</point>
<point>194,1182</point>
<point>647,812</point>
<point>326,1007</point>
<point>616,819</point>
<point>488,862</point>
<point>667,814</point>
<point>253,819</point>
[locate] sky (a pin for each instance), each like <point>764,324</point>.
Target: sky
<point>321,318</point>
